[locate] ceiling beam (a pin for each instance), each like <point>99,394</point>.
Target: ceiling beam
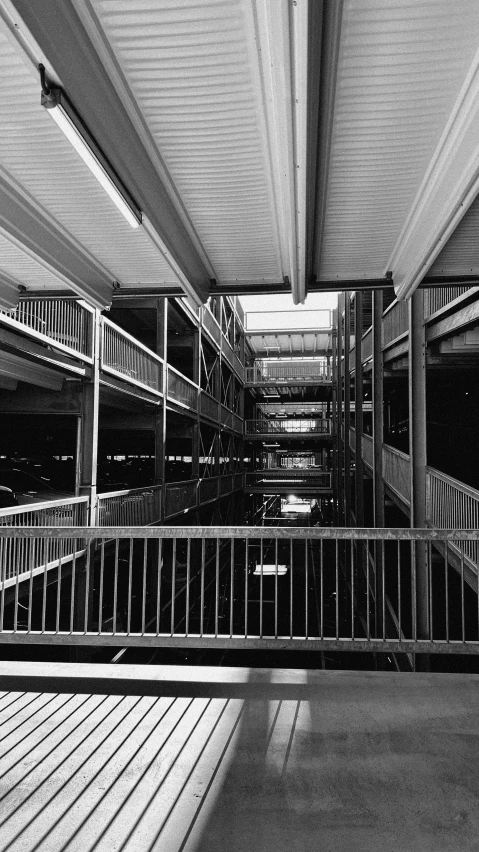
<point>66,48</point>
<point>256,288</point>
<point>26,225</point>
<point>18,369</point>
<point>449,187</point>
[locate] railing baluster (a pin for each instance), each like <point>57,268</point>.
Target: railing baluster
<point>59,592</point>
<point>337,588</point>
<point>217,584</point>
<point>44,590</point>
<point>383,588</point>
<point>306,590</point>
<point>232,580</point>
<point>202,591</point>
<point>351,557</point>
<point>246,589</point>
<point>446,591</point>
<point>321,587</point>
<point>399,589</point>
<point>261,591</point>
<point>188,577</point>
<point>143,591</point>
<point>173,588</point>
<point>100,598</point>
<point>276,588</point>
<point>291,574</point>
<point>115,586</point>
<point>159,567</point>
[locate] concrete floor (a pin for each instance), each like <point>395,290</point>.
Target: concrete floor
<point>208,759</point>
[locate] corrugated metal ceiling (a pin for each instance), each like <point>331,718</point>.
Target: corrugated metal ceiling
<point>34,152</point>
<point>191,69</point>
<point>400,68</point>
<point>283,345</point>
<point>460,256</point>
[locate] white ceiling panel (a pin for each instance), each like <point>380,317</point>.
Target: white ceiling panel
<point>460,256</point>
<point>401,66</point>
<point>35,153</point>
<point>22,268</point>
<point>193,71</point>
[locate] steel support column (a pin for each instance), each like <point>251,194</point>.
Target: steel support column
<point>89,425</point>
<point>378,435</point>
<point>347,408</point>
<point>358,408</point>
<point>160,423</point>
<point>417,454</point>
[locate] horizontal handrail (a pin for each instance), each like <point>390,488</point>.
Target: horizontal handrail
<point>28,508</point>
<point>256,587</point>
<point>213,532</point>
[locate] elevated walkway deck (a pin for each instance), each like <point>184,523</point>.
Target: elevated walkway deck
<point>180,758</point>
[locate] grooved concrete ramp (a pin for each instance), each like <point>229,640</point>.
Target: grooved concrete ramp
<point>209,760</point>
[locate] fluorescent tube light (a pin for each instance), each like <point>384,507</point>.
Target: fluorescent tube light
<point>71,125</point>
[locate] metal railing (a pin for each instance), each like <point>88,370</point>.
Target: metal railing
<point>180,496</point>
<point>451,504</point>
<point>266,371</point>
<point>286,479</point>
<point>129,508</point>
<point>288,427</point>
<point>395,322</point>
<point>367,345</point>
<point>182,389</point>
<point>20,556</point>
<point>242,587</point>
<point>208,406</point>
<point>436,298</point>
<point>397,472</point>
<point>367,445</point>
<point>128,359</point>
<point>64,323</point>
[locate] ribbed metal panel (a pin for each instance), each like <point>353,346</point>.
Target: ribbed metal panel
<point>401,65</point>
<point>22,268</point>
<point>290,344</point>
<point>189,67</point>
<point>36,154</point>
<point>460,256</point>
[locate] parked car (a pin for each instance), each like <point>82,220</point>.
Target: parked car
<point>7,498</point>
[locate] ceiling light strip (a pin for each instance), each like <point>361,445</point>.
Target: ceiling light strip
<point>78,135</point>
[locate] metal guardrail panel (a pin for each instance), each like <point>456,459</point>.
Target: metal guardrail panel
<point>65,324</point>
<point>288,427</point>
<point>132,507</point>
<point>127,358</point>
<point>180,496</point>
<point>396,472</point>
<point>244,587</point>
<point>181,389</point>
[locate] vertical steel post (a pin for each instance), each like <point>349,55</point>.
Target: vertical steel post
<point>358,407</point>
<point>417,455</point>
<point>378,435</point>
<point>160,419</point>
<point>347,409</point>
<point>89,426</point>
<point>335,415</point>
